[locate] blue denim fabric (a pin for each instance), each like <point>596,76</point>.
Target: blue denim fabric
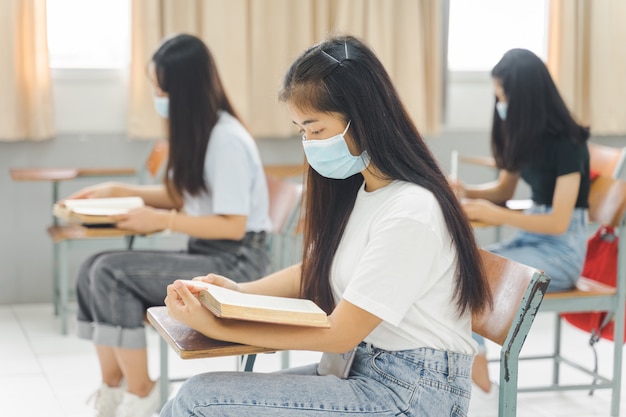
<point>115,288</point>
<point>422,382</point>
<point>561,257</point>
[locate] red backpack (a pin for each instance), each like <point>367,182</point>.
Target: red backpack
<point>600,265</point>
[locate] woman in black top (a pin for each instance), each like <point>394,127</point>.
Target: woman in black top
<point>535,137</point>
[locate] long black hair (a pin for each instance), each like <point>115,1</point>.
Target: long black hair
<point>186,71</point>
<point>342,75</point>
<point>536,112</point>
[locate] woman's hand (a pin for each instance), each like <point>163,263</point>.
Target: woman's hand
<point>457,187</point>
<point>482,211</point>
<point>220,281</point>
<point>104,190</point>
<point>183,306</point>
<point>143,220</point>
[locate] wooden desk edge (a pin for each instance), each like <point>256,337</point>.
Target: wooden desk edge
<point>64,174</point>
<point>75,231</point>
<point>210,348</point>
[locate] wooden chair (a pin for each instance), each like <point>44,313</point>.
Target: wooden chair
<point>64,236</point>
<point>518,291</point>
<point>607,206</point>
<point>606,161</point>
<point>285,197</point>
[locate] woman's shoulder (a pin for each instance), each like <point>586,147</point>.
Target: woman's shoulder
<point>227,124</point>
<point>229,131</point>
<point>409,190</point>
<point>408,199</point>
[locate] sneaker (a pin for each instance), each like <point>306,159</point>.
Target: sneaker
<point>134,406</point>
<point>483,404</point>
<point>106,399</point>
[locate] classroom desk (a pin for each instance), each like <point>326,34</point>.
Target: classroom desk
<point>57,175</point>
<point>191,344</point>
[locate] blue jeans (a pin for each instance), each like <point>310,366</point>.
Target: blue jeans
<point>422,382</point>
<point>115,288</point>
<point>561,257</point>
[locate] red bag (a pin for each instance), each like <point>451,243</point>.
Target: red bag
<point>600,265</point>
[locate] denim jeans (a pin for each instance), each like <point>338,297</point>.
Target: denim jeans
<point>115,288</point>
<point>422,382</point>
<point>561,257</point>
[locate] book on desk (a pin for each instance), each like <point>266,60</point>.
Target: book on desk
<point>95,212</point>
<point>229,304</point>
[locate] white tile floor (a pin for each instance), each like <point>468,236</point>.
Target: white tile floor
<point>45,373</point>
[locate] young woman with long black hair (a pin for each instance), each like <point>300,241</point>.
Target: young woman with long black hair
<point>534,137</point>
<point>214,191</point>
<point>388,254</point>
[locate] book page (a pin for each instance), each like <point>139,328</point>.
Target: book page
<point>103,206</point>
<point>236,298</point>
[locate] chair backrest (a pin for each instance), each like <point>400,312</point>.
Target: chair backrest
<point>606,161</point>
<point>284,198</point>
<point>155,163</point>
<point>607,201</point>
<point>517,293</point>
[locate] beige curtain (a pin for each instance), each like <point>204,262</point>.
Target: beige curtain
<point>587,57</point>
<point>254,42</point>
<point>25,82</point>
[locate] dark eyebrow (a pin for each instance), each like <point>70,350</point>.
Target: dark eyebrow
<point>306,122</point>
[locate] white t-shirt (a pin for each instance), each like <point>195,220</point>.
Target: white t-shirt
<point>234,176</point>
<point>396,261</point>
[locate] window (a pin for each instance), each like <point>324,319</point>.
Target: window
<point>88,33</point>
<point>480,32</point>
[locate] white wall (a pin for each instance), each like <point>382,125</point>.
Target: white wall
<point>90,101</point>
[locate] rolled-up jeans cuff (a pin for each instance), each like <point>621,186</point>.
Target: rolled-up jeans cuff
<point>116,336</point>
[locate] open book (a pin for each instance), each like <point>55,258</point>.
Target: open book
<point>231,304</point>
<point>95,211</point>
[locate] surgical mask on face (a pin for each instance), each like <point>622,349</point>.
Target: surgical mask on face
<point>331,157</point>
<point>162,106</point>
<point>501,108</point>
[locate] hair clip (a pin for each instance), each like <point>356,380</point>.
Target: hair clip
<point>345,45</point>
<point>331,57</point>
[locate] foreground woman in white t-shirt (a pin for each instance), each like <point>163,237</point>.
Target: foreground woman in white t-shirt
<point>388,253</point>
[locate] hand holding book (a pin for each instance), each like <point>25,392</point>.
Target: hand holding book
<point>229,304</point>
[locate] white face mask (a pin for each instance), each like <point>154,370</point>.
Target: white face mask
<point>162,106</point>
<point>501,108</point>
<point>331,157</point>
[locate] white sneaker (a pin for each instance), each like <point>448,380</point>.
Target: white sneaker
<point>483,404</point>
<point>134,406</point>
<point>106,399</point>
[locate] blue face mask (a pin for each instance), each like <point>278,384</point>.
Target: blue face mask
<point>331,157</point>
<point>501,108</point>
<point>162,106</point>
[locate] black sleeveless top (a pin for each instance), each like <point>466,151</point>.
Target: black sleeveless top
<point>559,156</point>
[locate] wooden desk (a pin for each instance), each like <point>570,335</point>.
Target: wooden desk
<point>56,175</point>
<point>190,344</point>
<point>76,231</point>
<point>285,171</point>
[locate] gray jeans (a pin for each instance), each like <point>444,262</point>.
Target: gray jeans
<point>115,288</point>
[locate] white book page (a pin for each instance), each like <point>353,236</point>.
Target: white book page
<point>236,298</point>
<point>103,206</point>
